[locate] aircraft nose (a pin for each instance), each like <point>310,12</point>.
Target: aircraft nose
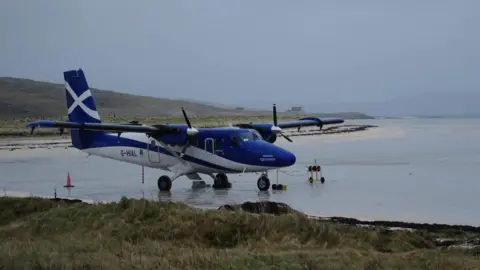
<point>287,159</point>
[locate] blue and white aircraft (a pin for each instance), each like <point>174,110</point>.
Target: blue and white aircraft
<point>178,148</point>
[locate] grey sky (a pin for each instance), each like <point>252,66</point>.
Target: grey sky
<point>235,51</point>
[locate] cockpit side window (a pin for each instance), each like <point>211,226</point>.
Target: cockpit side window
<point>257,135</point>
<point>235,140</point>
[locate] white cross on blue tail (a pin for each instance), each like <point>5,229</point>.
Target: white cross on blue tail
<point>80,102</point>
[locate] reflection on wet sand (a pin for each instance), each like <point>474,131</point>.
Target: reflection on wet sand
<point>374,174</point>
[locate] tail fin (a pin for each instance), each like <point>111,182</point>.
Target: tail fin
<point>81,108</point>
<point>80,102</point>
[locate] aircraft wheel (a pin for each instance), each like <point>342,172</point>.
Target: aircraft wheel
<point>221,181</point>
<point>263,183</point>
<point>164,183</point>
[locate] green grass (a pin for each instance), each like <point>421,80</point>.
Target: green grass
<point>140,234</point>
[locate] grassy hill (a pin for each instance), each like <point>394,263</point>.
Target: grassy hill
<point>23,98</point>
<point>27,98</point>
<point>141,234</point>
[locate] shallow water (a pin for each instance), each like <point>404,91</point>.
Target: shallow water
<point>423,170</point>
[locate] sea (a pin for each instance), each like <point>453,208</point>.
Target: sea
<point>418,170</point>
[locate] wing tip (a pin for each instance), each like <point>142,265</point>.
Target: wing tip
<point>41,123</point>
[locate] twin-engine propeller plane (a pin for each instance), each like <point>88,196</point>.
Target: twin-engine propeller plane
<point>181,149</point>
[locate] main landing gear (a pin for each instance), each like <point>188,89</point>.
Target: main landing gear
<point>263,182</point>
<point>164,183</point>
<point>221,181</point>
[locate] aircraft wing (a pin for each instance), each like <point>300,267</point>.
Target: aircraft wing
<point>310,121</point>
<point>111,127</point>
<point>268,131</point>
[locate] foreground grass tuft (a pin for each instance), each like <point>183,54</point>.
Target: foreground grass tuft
<point>138,234</point>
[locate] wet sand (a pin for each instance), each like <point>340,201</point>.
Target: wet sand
<point>401,170</point>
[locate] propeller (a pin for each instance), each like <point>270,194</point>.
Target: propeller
<point>191,131</point>
<point>276,129</point>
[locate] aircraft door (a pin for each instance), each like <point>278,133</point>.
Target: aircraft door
<point>153,151</point>
<point>209,145</point>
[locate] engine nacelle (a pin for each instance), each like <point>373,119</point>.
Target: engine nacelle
<point>175,139</point>
<point>272,138</point>
<point>265,131</point>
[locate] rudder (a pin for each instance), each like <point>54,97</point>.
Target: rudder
<point>81,108</point>
<point>80,102</point>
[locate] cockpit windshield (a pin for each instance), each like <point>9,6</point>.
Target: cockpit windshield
<point>250,136</point>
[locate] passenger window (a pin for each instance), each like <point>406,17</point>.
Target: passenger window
<point>218,143</point>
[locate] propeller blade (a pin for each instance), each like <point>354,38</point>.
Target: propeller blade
<point>191,131</point>
<point>286,137</point>
<point>275,129</point>
<point>186,118</point>
<point>274,115</point>
<point>31,130</point>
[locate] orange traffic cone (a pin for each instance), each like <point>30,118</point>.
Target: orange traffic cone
<point>69,182</point>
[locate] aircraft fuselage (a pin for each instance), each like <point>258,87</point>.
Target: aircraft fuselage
<point>213,151</point>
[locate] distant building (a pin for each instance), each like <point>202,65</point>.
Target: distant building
<point>239,108</point>
<point>296,109</point>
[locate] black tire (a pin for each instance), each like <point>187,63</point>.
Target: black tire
<point>164,183</point>
<point>322,180</point>
<point>221,181</point>
<point>263,183</point>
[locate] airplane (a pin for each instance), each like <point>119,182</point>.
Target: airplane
<point>178,148</point>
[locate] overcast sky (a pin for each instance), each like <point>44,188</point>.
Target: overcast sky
<point>236,51</point>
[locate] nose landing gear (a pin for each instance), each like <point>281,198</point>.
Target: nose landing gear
<point>263,182</point>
